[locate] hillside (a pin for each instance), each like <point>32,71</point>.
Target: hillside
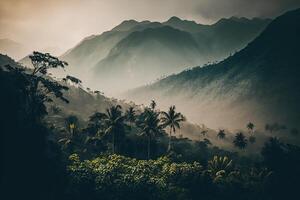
<point>259,84</point>
<point>138,55</point>
<point>133,49</point>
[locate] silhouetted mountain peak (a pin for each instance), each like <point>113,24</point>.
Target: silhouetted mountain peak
<point>174,19</point>
<point>126,25</point>
<point>259,82</point>
<point>239,19</point>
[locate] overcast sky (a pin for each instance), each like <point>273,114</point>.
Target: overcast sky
<point>63,23</point>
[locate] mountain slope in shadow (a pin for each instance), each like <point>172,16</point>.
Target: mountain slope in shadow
<point>141,52</point>
<point>260,83</point>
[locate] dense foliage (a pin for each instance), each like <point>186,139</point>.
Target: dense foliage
<point>119,177</point>
<point>123,154</point>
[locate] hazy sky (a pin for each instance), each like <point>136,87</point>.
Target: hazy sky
<point>63,23</point>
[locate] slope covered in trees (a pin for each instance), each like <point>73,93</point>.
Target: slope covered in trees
<point>259,83</point>
<point>122,154</point>
<point>133,49</point>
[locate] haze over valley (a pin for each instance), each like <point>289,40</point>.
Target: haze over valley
<point>149,100</point>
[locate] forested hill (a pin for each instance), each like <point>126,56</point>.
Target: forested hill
<point>260,83</point>
<point>132,49</point>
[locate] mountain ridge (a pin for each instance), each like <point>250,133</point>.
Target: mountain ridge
<point>257,83</point>
<point>94,53</point>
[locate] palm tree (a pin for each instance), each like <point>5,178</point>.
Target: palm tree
<point>151,127</point>
<point>114,124</point>
<point>221,134</point>
<point>250,127</point>
<point>71,123</point>
<point>153,104</point>
<point>172,119</point>
<point>130,115</point>
<point>240,141</point>
<point>96,122</point>
<point>220,166</point>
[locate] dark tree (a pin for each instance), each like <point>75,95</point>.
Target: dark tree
<point>172,119</point>
<point>130,115</point>
<point>96,123</point>
<point>221,134</point>
<point>114,125</point>
<point>240,141</point>
<point>150,127</point>
<point>71,123</point>
<point>73,79</point>
<point>24,139</point>
<point>153,105</point>
<point>250,127</point>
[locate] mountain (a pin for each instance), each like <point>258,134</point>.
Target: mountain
<point>13,49</point>
<point>92,49</point>
<point>133,49</point>
<point>185,25</point>
<point>229,35</point>
<point>259,83</point>
<point>6,60</point>
<point>127,25</point>
<point>152,52</point>
<point>84,102</point>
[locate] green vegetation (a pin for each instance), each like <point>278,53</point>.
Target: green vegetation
<point>124,153</point>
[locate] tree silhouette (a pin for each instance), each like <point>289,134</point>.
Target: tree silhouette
<point>250,127</point>
<point>71,123</point>
<point>221,134</point>
<point>73,79</point>
<point>240,141</point>
<point>274,127</point>
<point>114,125</point>
<point>150,127</point>
<point>40,87</point>
<point>96,123</point>
<point>130,115</point>
<point>220,166</point>
<point>153,104</point>
<point>172,119</point>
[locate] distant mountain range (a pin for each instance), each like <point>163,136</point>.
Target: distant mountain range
<point>134,53</point>
<point>260,83</point>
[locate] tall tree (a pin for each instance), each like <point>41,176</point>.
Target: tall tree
<point>114,125</point>
<point>71,123</point>
<point>151,127</point>
<point>221,134</point>
<point>240,141</point>
<point>153,104</point>
<point>96,123</point>
<point>130,115</point>
<point>41,87</point>
<point>172,119</point>
<point>250,127</point>
<point>25,94</point>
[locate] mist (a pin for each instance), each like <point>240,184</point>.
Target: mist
<point>39,25</point>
